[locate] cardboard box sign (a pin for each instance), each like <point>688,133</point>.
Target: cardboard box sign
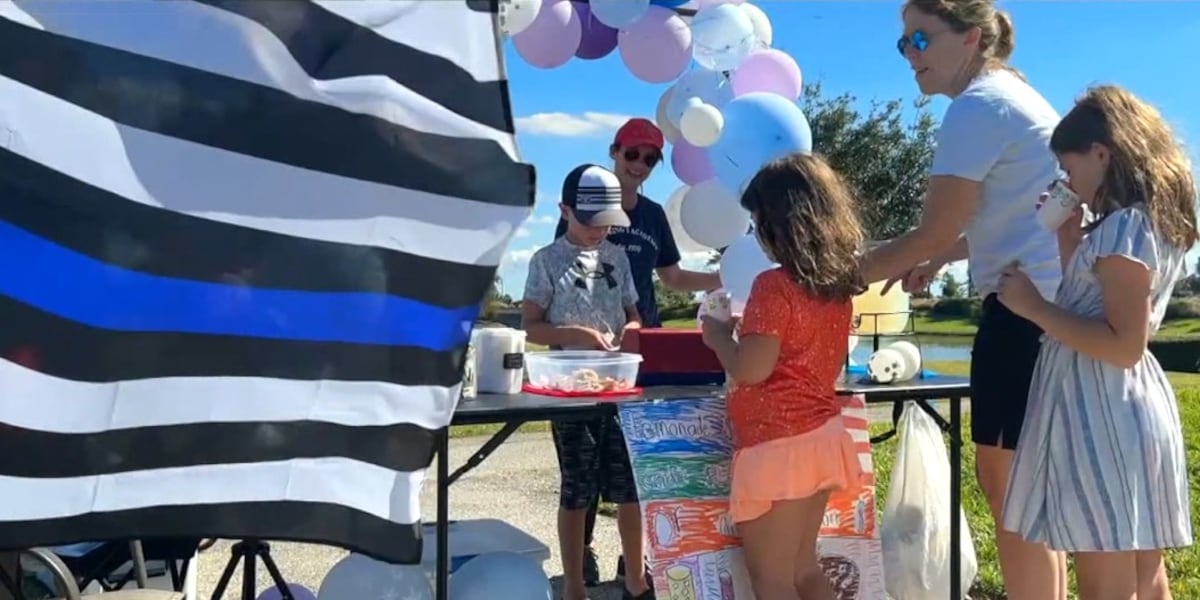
<point>673,357</point>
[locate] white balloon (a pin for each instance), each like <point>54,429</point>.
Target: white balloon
<point>710,87</point>
<point>701,125</point>
<point>741,262</point>
<point>763,33</point>
<point>358,577</point>
<point>683,241</point>
<point>722,35</point>
<point>711,215</point>
<point>670,132</point>
<point>517,15</point>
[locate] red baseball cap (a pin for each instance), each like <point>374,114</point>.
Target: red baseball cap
<point>639,132</point>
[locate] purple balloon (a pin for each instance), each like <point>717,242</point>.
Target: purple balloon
<point>658,47</point>
<point>598,39</point>
<point>298,591</point>
<point>551,40</point>
<point>690,163</point>
<point>770,71</point>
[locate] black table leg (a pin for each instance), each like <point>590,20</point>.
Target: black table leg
<point>443,516</point>
<point>955,498</point>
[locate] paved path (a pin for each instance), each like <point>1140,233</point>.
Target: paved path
<point>518,484</point>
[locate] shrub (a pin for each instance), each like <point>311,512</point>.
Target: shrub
<point>1177,355</point>
<point>956,308</point>
<point>1182,308</point>
<point>671,313</point>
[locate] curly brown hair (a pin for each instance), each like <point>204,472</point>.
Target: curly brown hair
<point>806,218</point>
<point>1148,165</point>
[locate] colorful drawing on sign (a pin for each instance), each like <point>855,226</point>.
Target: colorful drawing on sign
<point>681,451</point>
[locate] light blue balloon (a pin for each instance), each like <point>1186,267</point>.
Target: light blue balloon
<point>722,35</point>
<point>357,577</point>
<point>618,14</point>
<point>500,576</point>
<point>759,127</point>
<point>711,87</point>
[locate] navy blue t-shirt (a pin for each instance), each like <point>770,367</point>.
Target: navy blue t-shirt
<point>649,244</point>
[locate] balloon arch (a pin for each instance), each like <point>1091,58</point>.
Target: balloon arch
<point>730,106</point>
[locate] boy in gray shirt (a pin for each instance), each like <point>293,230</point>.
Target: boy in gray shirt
<point>580,295</point>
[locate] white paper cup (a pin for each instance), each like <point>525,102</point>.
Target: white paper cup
<point>1058,202</point>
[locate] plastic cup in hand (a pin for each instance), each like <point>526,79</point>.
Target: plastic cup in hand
<point>1056,205</point>
<point>719,305</point>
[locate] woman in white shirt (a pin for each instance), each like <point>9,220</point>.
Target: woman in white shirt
<point>992,162</point>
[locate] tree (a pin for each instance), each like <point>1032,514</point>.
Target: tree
<point>667,298</point>
<point>951,288</point>
<point>884,158</point>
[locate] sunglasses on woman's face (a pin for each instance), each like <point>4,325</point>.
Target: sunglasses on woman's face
<point>649,158</point>
<point>919,41</point>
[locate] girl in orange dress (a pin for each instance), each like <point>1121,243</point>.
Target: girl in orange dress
<point>792,449</point>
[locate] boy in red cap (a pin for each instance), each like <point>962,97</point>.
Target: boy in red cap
<point>648,242</point>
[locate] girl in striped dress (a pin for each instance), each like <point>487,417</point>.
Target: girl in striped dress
<point>1099,470</point>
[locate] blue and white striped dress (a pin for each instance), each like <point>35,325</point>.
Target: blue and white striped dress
<point>1100,465</point>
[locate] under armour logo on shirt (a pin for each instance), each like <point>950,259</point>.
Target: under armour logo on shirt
<point>605,272</point>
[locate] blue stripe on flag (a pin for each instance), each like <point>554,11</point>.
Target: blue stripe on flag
<point>80,288</point>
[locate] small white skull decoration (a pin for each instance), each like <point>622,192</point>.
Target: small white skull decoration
<point>885,366</point>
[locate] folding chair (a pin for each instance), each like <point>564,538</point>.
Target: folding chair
<point>67,585</point>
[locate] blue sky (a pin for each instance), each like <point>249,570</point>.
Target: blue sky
<point>567,116</point>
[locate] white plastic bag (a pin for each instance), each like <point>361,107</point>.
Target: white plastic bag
<point>915,532</point>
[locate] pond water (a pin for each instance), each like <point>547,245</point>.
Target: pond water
<point>933,347</point>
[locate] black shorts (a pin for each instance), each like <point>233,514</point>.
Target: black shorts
<point>1002,361</point>
<point>593,461</point>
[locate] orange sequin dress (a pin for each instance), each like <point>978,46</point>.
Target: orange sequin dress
<point>790,439</point>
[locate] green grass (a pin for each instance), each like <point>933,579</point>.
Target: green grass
<point>1183,565</point>
<point>927,325</point>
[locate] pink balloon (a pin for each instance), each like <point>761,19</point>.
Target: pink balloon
<point>690,163</point>
<point>658,47</point>
<point>551,40</point>
<point>768,70</point>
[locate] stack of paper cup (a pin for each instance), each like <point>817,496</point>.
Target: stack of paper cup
<point>499,360</point>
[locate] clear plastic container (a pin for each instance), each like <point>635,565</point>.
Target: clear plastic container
<point>583,371</point>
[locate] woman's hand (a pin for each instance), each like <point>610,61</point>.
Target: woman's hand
<point>1018,293</point>
<point>715,331</point>
<point>920,276</point>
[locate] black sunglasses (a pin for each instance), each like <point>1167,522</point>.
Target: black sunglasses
<point>649,159</point>
<point>918,41</point>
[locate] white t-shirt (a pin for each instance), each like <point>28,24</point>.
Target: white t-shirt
<point>998,132</point>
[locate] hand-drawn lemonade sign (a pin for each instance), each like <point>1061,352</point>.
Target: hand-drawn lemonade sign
<point>681,452</point>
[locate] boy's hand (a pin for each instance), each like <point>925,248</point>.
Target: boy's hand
<point>586,337</point>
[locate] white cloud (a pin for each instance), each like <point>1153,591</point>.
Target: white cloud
<point>542,220</point>
<point>518,257</point>
<point>567,125</point>
<point>521,232</point>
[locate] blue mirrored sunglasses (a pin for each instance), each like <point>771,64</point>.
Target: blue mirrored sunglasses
<point>918,40</point>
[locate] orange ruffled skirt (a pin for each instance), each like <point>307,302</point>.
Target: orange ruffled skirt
<point>792,468</point>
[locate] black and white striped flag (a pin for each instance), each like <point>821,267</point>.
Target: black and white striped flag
<point>242,245</point>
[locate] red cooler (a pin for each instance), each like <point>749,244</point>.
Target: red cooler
<point>673,357</point>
